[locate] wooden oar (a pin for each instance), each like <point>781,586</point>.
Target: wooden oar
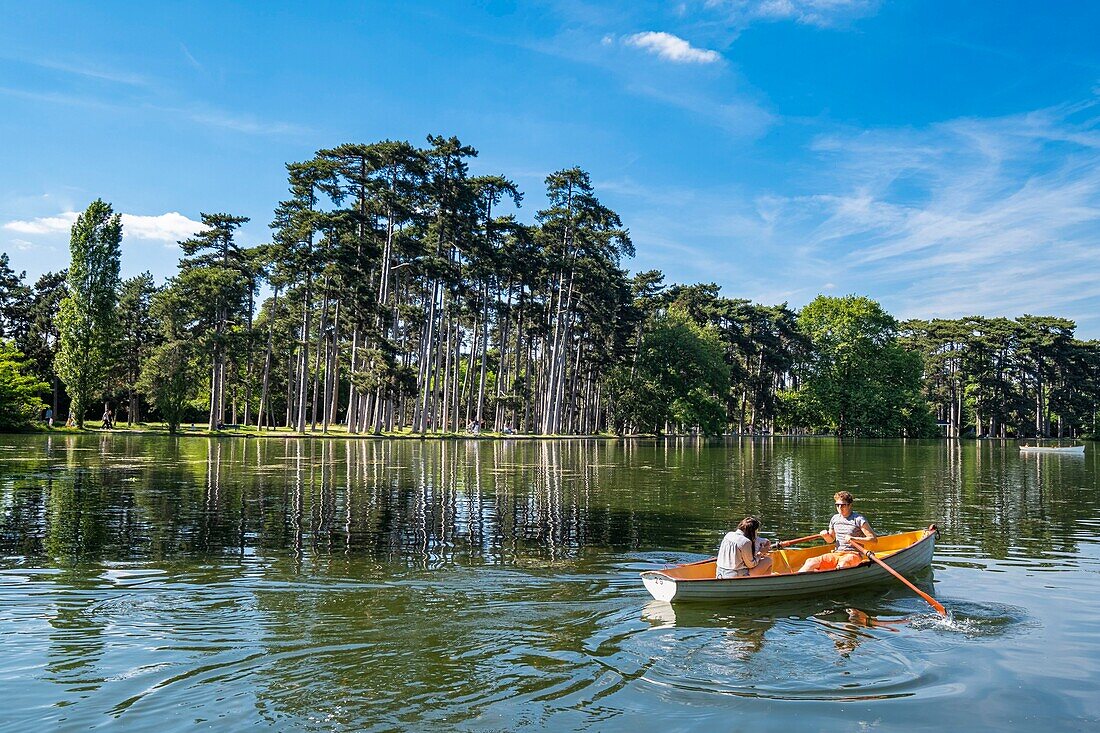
<point>871,556</point>
<point>788,543</point>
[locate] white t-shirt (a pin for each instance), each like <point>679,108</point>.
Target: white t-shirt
<point>735,552</point>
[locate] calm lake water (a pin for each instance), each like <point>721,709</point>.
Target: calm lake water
<point>149,583</point>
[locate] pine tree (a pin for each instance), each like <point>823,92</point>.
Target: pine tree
<point>136,337</point>
<point>215,282</point>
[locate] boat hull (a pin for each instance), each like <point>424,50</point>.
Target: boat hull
<point>665,587</point>
<point>1041,449</point>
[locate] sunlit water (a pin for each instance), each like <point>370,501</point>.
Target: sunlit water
<point>156,584</point>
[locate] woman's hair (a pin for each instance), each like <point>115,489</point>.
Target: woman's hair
<point>748,527</point>
<point>844,496</point>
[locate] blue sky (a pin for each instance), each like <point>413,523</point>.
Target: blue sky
<point>940,157</point>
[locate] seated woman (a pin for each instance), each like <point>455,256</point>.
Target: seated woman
<point>740,555</point>
<point>844,524</point>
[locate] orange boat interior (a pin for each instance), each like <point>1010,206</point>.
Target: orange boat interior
<point>788,561</point>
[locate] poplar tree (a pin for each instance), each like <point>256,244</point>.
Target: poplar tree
<point>86,318</point>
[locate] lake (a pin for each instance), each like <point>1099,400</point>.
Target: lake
<point>152,583</point>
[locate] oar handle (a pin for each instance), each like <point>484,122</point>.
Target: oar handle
<point>871,556</point>
<point>807,538</point>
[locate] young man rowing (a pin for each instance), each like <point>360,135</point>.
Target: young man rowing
<point>842,527</point>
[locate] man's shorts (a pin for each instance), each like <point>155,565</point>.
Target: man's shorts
<point>843,558</point>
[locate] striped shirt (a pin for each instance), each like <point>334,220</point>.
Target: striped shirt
<point>843,528</point>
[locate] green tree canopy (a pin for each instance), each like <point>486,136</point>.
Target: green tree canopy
<point>680,377</point>
<point>858,380</point>
<point>20,391</point>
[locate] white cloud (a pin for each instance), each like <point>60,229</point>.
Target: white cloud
<point>671,48</point>
<point>170,227</point>
<point>43,225</point>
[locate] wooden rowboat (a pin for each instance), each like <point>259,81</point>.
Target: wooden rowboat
<point>1052,449</point>
<point>907,553</point>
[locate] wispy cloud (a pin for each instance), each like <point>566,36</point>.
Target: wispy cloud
<point>199,114</point>
<point>671,48</point>
<point>995,216</point>
<point>991,217</point>
<point>190,58</point>
<point>821,13</point>
<point>242,123</point>
<point>87,69</point>
<point>169,227</point>
<point>143,95</point>
<point>739,116</point>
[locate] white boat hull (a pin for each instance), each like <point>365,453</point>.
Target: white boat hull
<point>908,561</point>
<point>1051,449</point>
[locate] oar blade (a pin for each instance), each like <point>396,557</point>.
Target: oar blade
<point>929,599</point>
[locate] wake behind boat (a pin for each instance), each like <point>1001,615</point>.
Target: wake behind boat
<point>907,553</point>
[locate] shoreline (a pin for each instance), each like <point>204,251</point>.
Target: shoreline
<point>485,436</point>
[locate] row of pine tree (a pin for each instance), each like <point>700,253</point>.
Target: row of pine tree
<point>402,293</point>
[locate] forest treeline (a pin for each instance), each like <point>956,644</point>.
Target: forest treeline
<point>402,293</point>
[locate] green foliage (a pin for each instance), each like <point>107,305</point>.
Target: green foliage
<point>13,295</point>
<point>405,294</point>
<point>136,336</point>
<point>168,380</point>
<point>994,376</point>
<point>39,334</point>
<point>859,381</point>
<point>20,392</point>
<point>86,319</point>
<point>679,377</point>
<point>169,374</point>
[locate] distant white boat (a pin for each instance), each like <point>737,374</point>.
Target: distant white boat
<point>1052,449</point>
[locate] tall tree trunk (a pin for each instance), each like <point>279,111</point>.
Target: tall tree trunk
<point>322,339</point>
<point>484,357</point>
<point>303,366</point>
<point>266,380</point>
